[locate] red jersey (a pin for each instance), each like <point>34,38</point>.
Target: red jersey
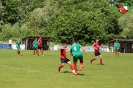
<point>96,47</point>
<point>63,53</point>
<point>40,42</point>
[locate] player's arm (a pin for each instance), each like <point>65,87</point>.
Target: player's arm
<point>114,45</point>
<point>94,47</point>
<point>83,49</point>
<point>119,46</point>
<point>71,52</point>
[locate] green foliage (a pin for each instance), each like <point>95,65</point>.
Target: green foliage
<point>16,10</point>
<point>85,22</point>
<point>126,24</point>
<point>1,16</point>
<point>14,32</point>
<point>63,20</point>
<point>32,20</point>
<point>39,17</point>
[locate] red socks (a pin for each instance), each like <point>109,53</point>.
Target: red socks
<point>75,68</point>
<point>101,60</point>
<point>18,52</point>
<point>42,52</point>
<point>60,66</point>
<point>71,67</point>
<point>93,59</point>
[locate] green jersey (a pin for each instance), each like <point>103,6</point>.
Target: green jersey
<point>75,49</point>
<point>116,45</point>
<point>18,43</point>
<point>35,44</point>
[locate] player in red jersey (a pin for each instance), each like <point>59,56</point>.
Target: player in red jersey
<point>63,57</point>
<point>97,52</point>
<point>40,47</point>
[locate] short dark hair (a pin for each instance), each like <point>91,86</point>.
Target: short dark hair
<point>73,41</point>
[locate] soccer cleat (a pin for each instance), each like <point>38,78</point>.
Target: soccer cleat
<point>75,73</point>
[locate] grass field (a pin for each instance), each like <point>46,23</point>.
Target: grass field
<point>29,71</point>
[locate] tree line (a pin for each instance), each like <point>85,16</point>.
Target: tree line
<point>63,20</point>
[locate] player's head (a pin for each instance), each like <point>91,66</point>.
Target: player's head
<point>73,41</point>
<point>65,45</point>
<point>18,38</point>
<point>116,40</point>
<point>97,40</point>
<point>35,38</point>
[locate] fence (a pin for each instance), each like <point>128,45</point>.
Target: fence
<point>4,46</point>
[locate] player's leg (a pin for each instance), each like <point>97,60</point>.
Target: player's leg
<point>18,51</point>
<point>34,51</point>
<point>62,64</point>
<point>10,46</point>
<point>41,51</point>
<point>75,58</point>
<point>116,51</point>
<point>81,62</point>
<point>101,60</point>
<point>96,56</point>
<point>69,62</point>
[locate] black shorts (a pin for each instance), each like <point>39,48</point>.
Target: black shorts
<point>64,60</point>
<point>97,53</point>
<point>40,48</point>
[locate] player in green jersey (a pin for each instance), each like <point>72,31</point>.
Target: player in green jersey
<point>116,47</point>
<point>35,46</point>
<point>18,43</point>
<point>76,52</point>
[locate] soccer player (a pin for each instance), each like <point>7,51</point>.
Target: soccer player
<point>97,52</point>
<point>40,47</point>
<point>63,57</point>
<point>35,46</point>
<point>10,43</point>
<point>18,43</point>
<point>116,47</point>
<point>75,51</point>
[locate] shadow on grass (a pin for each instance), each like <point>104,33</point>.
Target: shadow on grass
<point>66,72</point>
<point>72,73</point>
<point>100,64</point>
<point>81,74</point>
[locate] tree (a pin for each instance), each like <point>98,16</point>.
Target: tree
<point>16,10</point>
<point>1,15</point>
<point>126,24</point>
<point>84,20</point>
<point>39,18</point>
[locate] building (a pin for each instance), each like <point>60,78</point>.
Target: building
<point>126,45</point>
<point>28,41</point>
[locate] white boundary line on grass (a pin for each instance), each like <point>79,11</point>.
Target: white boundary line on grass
<point>4,66</point>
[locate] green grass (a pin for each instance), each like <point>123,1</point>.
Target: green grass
<point>29,71</point>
